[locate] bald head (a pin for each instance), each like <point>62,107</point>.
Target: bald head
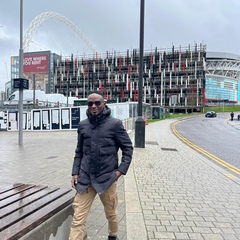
<point>96,95</point>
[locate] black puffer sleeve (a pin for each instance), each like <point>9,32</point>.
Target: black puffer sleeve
<point>124,143</point>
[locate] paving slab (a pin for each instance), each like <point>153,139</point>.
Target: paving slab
<point>170,191</point>
<point>46,158</point>
<point>182,194</point>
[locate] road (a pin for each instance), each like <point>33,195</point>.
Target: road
<point>215,135</point>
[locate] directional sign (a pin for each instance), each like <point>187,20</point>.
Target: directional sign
<point>25,84</point>
<point>16,83</point>
<point>20,83</point>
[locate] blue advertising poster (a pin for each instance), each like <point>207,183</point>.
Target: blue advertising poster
<point>75,113</point>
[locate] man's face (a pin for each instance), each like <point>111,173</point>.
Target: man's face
<point>95,103</point>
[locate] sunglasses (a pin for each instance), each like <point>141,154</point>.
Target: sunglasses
<point>97,103</point>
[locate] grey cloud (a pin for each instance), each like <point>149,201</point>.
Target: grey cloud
<point>114,25</point>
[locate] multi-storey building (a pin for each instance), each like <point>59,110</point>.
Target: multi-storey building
<point>38,68</point>
<point>172,78</point>
<point>178,79</point>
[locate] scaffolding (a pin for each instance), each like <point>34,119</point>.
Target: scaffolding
<point>173,78</point>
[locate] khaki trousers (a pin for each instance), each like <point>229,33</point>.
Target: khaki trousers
<point>82,204</point>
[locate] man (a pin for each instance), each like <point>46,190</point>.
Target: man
<point>232,116</point>
<point>95,167</point>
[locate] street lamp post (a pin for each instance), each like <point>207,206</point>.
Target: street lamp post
<point>20,102</point>
<point>34,91</point>
<point>140,123</point>
<point>67,91</point>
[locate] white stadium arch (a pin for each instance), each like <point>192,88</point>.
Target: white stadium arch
<point>52,15</point>
<point>223,64</point>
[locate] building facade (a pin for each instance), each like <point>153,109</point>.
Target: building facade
<point>172,78</point>
<point>38,68</point>
<point>177,79</point>
<point>222,78</point>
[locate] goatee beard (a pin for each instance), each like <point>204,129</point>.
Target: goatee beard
<point>94,116</point>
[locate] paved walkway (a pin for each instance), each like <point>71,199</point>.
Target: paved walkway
<point>171,191</point>
<point>46,159</point>
<point>178,193</point>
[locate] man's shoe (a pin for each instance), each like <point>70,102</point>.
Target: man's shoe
<point>112,238</point>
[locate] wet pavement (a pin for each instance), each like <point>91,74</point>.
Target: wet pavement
<point>46,159</point>
<point>170,191</point>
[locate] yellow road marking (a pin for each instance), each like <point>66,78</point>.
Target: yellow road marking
<point>229,175</point>
<point>211,156</point>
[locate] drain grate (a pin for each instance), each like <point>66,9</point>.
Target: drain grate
<point>151,143</point>
<point>51,157</point>
<point>169,149</point>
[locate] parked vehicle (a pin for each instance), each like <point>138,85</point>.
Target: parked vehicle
<point>55,100</point>
<point>210,114</point>
<point>41,99</point>
<point>28,98</point>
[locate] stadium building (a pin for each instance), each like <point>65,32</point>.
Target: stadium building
<point>222,78</point>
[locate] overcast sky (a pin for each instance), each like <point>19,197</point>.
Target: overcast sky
<point>114,25</point>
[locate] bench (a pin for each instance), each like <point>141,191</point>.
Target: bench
<point>35,212</point>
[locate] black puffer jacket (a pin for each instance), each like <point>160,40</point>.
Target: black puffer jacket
<point>96,155</point>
